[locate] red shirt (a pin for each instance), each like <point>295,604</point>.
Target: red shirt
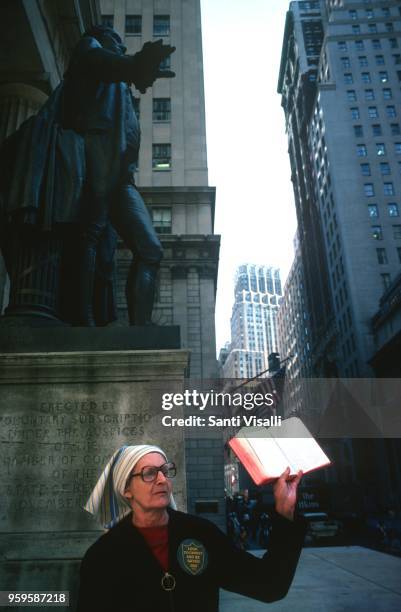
<point>157,540</point>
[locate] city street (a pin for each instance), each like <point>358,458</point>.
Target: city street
<point>334,579</point>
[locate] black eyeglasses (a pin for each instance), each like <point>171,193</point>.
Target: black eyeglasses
<point>149,472</point>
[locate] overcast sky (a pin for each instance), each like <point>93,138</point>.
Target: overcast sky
<point>246,141</point>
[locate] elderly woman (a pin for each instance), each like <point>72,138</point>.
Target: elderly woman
<point>156,559</point>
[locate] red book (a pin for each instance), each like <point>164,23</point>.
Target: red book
<point>266,452</point>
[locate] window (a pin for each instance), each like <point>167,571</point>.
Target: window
<point>354,113</point>
<point>161,157</point>
<point>345,62</point>
<point>397,58</point>
<point>372,112</point>
<point>369,190</point>
<point>397,148</point>
<point>389,27</point>
<point>376,44</point>
<point>356,29</point>
<point>133,24</point>
<point>399,253</point>
<point>363,61</point>
<point>380,148</point>
<point>386,279</point>
<point>369,95</point>
<point>379,60</point>
<point>136,103</point>
<point>395,129</point>
<point>385,168</point>
<point>361,150</point>
<point>376,129</point>
<point>383,76</point>
<point>162,220</point>
<point>391,112</point>
<point>358,130</point>
<point>342,45</point>
<point>381,256</point>
<point>387,93</point>
<point>351,95</point>
<point>388,189</point>
<point>352,14</point>
<point>397,232</point>
<point>392,209</point>
<point>161,25</point>
<point>385,11</point>
<point>359,46</point>
<point>393,43</point>
<point>348,78</point>
<point>365,76</point>
<point>373,211</point>
<point>372,28</point>
<point>369,13</point>
<point>365,169</point>
<point>161,109</point>
<point>377,233</point>
<point>108,20</point>
<point>165,64</point>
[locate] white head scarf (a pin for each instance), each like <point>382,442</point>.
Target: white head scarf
<point>107,501</point>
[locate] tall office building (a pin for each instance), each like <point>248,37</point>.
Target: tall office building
<point>340,79</point>
<point>253,322</point>
<point>172,173</point>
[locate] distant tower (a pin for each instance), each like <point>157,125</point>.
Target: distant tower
<point>253,321</point>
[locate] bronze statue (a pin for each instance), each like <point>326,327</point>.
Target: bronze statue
<point>78,156</point>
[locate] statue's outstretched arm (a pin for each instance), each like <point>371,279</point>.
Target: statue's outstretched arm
<point>92,61</point>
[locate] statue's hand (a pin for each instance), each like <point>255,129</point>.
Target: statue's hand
<point>285,493</point>
<point>146,64</point>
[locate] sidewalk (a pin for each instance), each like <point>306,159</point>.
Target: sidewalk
<point>338,579</point>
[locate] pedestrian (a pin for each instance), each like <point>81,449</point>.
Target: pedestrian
<point>154,558</point>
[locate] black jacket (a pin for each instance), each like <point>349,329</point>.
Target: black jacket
<point>119,572</point>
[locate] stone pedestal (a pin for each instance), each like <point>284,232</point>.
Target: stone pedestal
<point>62,415</point>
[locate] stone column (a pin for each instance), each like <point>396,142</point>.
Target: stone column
<point>18,101</point>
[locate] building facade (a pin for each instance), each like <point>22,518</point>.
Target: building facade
<point>172,174</point>
<point>254,321</point>
<point>346,68</point>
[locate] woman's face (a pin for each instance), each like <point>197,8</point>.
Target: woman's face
<point>149,495</point>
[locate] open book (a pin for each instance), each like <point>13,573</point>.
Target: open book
<point>267,452</point>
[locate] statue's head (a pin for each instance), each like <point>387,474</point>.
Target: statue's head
<point>108,38</point>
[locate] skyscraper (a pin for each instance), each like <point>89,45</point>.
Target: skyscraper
<point>340,79</point>
<point>253,322</point>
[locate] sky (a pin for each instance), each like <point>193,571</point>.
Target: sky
<point>246,141</point>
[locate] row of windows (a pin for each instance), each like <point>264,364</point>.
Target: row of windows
<point>363,60</point>
<point>367,78</point>
<point>392,210</point>
<point>360,44</point>
<point>377,232</point>
<point>369,189</point>
<point>377,130</point>
<point>372,28</point>
<point>369,94</point>
<point>385,169</point>
<point>373,112</point>
<point>133,24</point>
<point>369,13</point>
<point>381,150</point>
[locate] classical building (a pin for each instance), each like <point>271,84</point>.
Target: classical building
<point>253,321</point>
<point>37,40</point>
<point>340,84</point>
<point>172,174</point>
